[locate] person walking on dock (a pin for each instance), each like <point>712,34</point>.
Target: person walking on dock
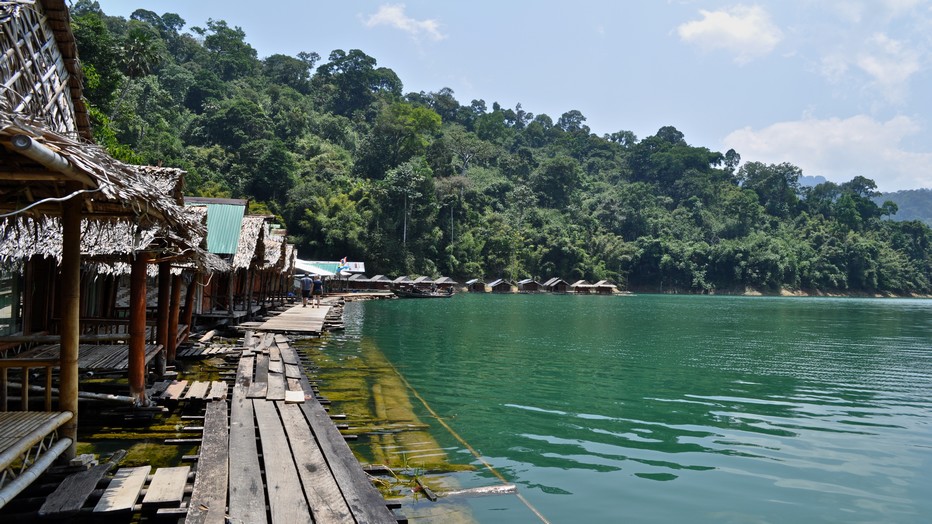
<point>318,290</point>
<point>306,285</point>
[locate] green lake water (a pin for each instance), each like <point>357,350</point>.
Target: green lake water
<point>653,408</point>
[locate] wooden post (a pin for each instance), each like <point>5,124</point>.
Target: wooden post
<point>137,328</point>
<point>173,311</point>
<point>189,298</point>
<point>70,319</point>
<point>161,328</point>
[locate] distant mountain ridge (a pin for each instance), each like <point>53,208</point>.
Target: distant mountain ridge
<point>913,204</point>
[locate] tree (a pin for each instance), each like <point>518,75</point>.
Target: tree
<point>229,54</point>
<point>405,180</point>
<point>289,71</point>
<point>777,185</point>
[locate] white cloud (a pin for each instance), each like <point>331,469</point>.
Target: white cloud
<point>394,16</point>
<point>890,64</point>
<point>745,31</point>
<point>840,149</point>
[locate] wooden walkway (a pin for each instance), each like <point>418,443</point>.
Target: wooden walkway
<point>297,319</point>
<point>278,458</point>
<point>91,357</point>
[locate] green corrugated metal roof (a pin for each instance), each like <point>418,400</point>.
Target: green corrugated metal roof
<point>224,222</point>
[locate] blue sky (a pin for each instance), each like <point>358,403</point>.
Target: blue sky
<point>839,88</point>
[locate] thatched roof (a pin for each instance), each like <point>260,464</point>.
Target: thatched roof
<point>40,65</point>
<point>251,242</point>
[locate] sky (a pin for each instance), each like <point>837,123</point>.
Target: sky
<point>840,88</point>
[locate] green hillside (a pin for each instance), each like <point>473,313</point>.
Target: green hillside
<point>423,183</point>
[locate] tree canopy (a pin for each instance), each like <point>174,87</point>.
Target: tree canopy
<point>423,183</point>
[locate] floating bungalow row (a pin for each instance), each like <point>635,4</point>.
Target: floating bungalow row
<point>102,263</point>
<point>360,282</point>
<point>554,285</point>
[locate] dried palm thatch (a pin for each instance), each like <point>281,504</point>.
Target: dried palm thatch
<point>251,242</point>
<point>290,256</point>
<point>39,66</point>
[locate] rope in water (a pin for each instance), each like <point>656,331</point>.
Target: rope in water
<point>464,443</point>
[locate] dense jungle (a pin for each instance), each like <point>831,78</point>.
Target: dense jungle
<point>420,183</point>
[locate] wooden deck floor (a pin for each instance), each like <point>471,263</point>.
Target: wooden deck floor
<point>297,319</point>
<point>284,459</point>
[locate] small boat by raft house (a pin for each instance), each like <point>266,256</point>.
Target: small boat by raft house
<point>476,285</point>
<point>501,286</point>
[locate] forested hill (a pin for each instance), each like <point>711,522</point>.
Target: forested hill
<point>421,183</point>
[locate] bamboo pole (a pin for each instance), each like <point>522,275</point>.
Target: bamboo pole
<point>173,312</point>
<point>137,328</point>
<point>70,315</point>
<point>162,314</point>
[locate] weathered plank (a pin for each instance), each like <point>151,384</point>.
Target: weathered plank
<point>276,366</point>
<point>294,397</point>
<point>198,390</point>
<point>173,391</point>
<point>73,492</point>
<point>167,487</point>
<point>363,499</point>
<point>259,385</point>
<point>123,491</point>
<point>218,390</point>
<point>292,371</point>
<point>247,497</point>
<point>287,501</point>
<point>276,387</point>
<point>208,500</point>
<point>321,488</point>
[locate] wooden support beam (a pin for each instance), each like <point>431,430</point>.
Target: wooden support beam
<point>189,297</point>
<point>162,310</point>
<point>137,328</point>
<point>70,326</point>
<point>174,310</point>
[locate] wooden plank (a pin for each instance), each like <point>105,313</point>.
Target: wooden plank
<point>363,499</point>
<point>218,390</point>
<point>69,497</point>
<point>276,389</point>
<point>167,487</point>
<point>275,354</point>
<point>247,497</point>
<point>289,355</point>
<point>323,493</point>
<point>173,392</point>
<point>262,368</point>
<point>123,491</point>
<point>208,500</point>
<point>294,397</point>
<point>198,389</point>
<point>286,497</point>
<point>244,371</point>
<point>276,366</point>
<point>292,371</point>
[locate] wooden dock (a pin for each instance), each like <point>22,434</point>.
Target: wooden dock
<point>297,319</point>
<point>278,431</point>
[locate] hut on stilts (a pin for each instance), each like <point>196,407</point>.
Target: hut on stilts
<point>66,207</point>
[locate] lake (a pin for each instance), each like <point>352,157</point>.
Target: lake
<point>649,408</point>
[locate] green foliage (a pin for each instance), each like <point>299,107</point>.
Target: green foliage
<point>420,183</point>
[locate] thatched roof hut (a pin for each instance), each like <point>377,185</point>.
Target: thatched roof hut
<point>528,285</point>
<point>556,285</point>
<point>501,286</point>
<point>581,287</point>
<point>476,285</point>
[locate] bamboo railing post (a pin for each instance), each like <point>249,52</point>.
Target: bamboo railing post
<point>173,312</point>
<point>137,328</point>
<point>70,320</point>
<point>162,310</point>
